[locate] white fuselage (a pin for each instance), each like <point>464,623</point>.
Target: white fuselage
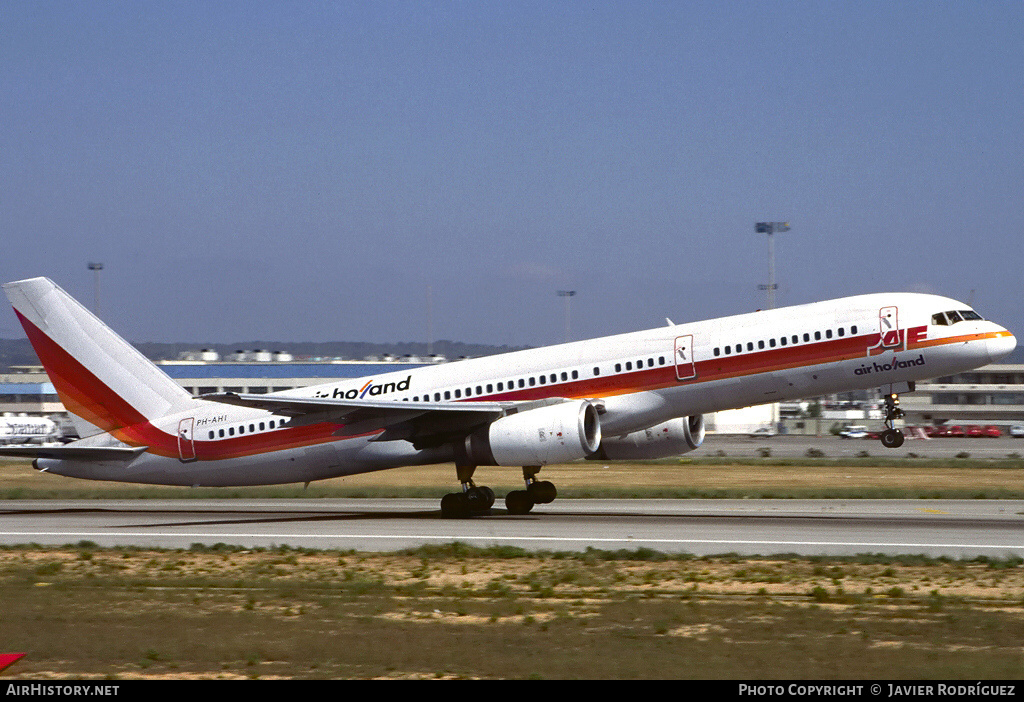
<point>637,380</point>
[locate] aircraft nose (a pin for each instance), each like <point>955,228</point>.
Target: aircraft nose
<point>1000,346</point>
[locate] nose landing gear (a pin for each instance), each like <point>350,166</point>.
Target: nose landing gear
<point>892,437</point>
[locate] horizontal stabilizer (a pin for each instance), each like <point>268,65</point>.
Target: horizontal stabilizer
<point>74,453</point>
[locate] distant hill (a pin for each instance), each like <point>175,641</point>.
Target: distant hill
<point>18,352</point>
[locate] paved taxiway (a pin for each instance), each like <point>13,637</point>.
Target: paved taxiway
<point>795,446</point>
<point>953,528</point>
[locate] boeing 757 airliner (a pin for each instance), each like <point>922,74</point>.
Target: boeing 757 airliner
<point>631,396</point>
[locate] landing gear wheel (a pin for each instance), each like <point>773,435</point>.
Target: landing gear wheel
<point>454,505</point>
<point>542,492</point>
<point>474,502</point>
<point>892,438</point>
<point>519,502</point>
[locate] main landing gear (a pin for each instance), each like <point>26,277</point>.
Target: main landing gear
<point>472,501</point>
<point>892,437</point>
<point>477,500</point>
<point>537,492</point>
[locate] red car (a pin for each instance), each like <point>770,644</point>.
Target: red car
<point>992,431</point>
<point>975,432</point>
<point>955,431</point>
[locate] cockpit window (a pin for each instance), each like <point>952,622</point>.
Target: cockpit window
<point>954,316</point>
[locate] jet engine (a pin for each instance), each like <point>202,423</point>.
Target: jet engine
<point>671,438</point>
<point>557,433</point>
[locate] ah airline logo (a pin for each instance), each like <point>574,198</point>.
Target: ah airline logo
<point>898,340</point>
<point>370,389</point>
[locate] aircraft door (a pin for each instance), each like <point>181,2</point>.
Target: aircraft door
<point>685,369</point>
<point>186,445</point>
<point>889,327</point>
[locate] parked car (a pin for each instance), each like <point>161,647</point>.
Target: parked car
<point>763,433</point>
<point>1017,431</point>
<point>854,431</point>
<point>974,432</point>
<point>932,431</point>
<point>992,431</point>
<point>955,431</point>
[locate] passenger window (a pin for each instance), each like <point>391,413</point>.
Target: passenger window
<point>750,346</point>
<point>263,426</point>
<point>447,395</point>
<point>490,388</point>
<point>554,378</point>
<point>565,376</point>
<point>211,434</point>
<point>231,431</point>
<point>629,365</point>
<point>828,333</point>
<point>597,370</point>
<point>221,433</point>
<point>782,340</point>
<point>760,344</point>
<point>522,383</point>
<point>842,331</point>
<point>771,342</point>
<point>807,337</point>
<point>796,339</point>
<point>817,336</point>
<point>728,350</point>
<point>458,394</point>
<point>575,375</point>
<point>661,360</point>
<point>716,351</point>
<point>437,397</point>
<point>853,329</point>
<point>480,390</point>
<point>252,428</point>
<point>533,381</point>
<point>542,380</point>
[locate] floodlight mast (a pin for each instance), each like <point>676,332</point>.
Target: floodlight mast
<point>96,268</point>
<point>567,294</point>
<point>770,228</point>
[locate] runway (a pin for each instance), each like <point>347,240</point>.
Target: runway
<point>952,528</point>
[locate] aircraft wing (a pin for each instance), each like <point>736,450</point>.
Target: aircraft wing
<point>74,453</point>
<point>423,423</point>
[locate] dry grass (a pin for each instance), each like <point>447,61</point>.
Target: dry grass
<point>461,612</point>
<point>910,478</point>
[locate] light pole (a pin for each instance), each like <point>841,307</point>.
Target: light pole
<point>96,268</point>
<point>770,228</point>
<point>567,294</point>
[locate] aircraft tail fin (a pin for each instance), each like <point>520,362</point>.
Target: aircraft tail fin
<point>103,381</point>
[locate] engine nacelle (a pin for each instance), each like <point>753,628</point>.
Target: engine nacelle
<point>672,438</point>
<point>559,433</point>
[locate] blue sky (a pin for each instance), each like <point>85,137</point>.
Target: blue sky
<point>305,170</point>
